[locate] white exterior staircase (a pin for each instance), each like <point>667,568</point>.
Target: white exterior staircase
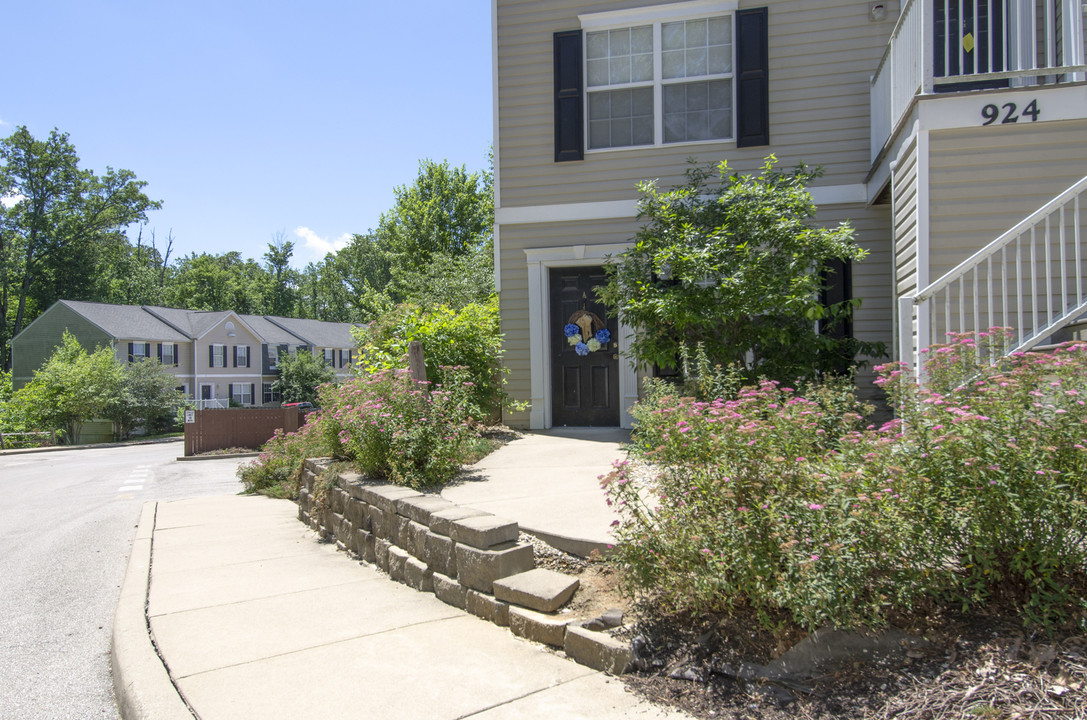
<point>1032,279</point>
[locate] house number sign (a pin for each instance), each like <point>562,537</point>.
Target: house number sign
<point>1010,113</point>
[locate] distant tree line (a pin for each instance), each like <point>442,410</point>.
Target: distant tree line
<point>66,233</point>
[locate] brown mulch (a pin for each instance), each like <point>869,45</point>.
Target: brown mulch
<point>973,666</point>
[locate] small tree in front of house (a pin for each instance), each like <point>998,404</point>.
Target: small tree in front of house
<point>71,387</point>
<point>733,263</point>
<point>300,374</point>
<point>147,395</point>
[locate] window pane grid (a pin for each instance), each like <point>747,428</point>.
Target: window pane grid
<point>627,67</point>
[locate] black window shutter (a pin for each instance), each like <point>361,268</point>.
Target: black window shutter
<point>211,356</point>
<point>147,350</point>
<point>235,356</point>
<point>248,362</point>
<point>752,78</point>
<point>160,353</point>
<point>252,391</point>
<point>131,354</point>
<point>176,361</point>
<point>569,103</point>
<point>230,390</point>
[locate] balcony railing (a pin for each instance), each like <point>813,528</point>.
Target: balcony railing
<point>957,45</point>
<point>1032,279</point>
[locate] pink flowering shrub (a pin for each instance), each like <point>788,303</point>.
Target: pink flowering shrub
<point>277,470</point>
<point>784,503</point>
<point>391,427</point>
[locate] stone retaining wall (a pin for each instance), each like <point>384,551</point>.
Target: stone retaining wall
<point>468,558</point>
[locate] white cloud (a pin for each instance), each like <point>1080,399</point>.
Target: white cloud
<point>319,245</point>
<point>9,201</point>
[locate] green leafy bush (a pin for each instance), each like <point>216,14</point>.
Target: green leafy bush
<point>468,338</point>
<point>784,504</point>
<point>277,471</point>
<point>392,427</point>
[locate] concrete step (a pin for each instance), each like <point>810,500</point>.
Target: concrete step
<point>540,589</point>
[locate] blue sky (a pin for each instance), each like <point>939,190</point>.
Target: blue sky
<point>252,118</point>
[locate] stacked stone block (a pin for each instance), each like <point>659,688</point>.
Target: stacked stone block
<point>468,558</point>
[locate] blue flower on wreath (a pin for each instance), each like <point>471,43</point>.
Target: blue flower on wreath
<point>603,336</point>
<point>581,349</point>
<point>571,330</point>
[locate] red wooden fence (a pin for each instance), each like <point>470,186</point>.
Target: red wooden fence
<point>237,427</point>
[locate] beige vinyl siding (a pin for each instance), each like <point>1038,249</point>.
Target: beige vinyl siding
<point>904,198</point>
<point>821,57</point>
<point>985,180</point>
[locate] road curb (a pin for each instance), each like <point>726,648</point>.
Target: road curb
<point>198,458</point>
<point>92,446</point>
<point>141,684</point>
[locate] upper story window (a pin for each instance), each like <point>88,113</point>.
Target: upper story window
<point>665,82</point>
<point>330,357</point>
<point>241,356</point>
<point>217,356</point>
<point>168,353</point>
<point>694,71</point>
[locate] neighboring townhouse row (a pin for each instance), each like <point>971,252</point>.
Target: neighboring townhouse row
<point>944,130</point>
<point>217,357</point>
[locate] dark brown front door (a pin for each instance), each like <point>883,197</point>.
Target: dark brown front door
<point>584,387</point>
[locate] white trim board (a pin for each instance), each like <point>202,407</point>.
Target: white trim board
<point>643,15</point>
<point>539,261</point>
<point>627,209</point>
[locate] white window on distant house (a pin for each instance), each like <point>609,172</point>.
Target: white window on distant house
<point>138,351</point>
<point>242,393</point>
<point>168,353</point>
<point>241,356</point>
<point>270,394</point>
<point>330,357</point>
<point>217,356</point>
<point>660,82</point>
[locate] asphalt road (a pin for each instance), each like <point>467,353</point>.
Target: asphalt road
<point>67,520</point>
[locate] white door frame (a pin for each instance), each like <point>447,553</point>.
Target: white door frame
<point>540,261</point>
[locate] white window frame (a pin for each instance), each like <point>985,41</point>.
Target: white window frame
<point>218,355</point>
<point>138,351</point>
<point>237,396</point>
<point>242,353</point>
<point>330,357</point>
<point>171,359</point>
<point>656,16</point>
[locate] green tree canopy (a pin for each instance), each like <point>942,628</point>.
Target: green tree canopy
<point>734,264</point>
<point>300,374</point>
<point>55,220</point>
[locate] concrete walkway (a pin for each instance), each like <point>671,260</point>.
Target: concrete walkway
<point>252,617</point>
<point>547,482</point>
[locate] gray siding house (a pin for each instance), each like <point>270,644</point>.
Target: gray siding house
<point>217,357</point>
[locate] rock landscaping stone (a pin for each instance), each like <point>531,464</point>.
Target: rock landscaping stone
<point>483,531</point>
<point>378,521</point>
<point>540,589</point>
<point>417,575</point>
<point>827,648</point>
<point>364,541</point>
<point>385,496</point>
<point>419,509</point>
<point>415,539</point>
<point>381,553</point>
<point>598,650</point>
<point>439,554</point>
<point>537,627</point>
<point>441,522</point>
<point>478,569</point>
<point>352,484</point>
<point>449,591</point>
<point>337,499</point>
<point>398,535</point>
<point>355,511</point>
<point>398,559</point>
<point>486,607</point>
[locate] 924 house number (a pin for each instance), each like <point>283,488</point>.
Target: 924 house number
<point>1009,113</point>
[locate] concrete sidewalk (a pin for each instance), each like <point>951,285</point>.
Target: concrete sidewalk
<point>252,617</point>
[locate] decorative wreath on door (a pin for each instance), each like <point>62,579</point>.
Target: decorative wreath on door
<point>586,332</point>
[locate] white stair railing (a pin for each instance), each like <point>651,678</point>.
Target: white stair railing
<point>1032,279</point>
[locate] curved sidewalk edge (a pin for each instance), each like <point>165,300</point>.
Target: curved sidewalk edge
<point>141,683</point>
